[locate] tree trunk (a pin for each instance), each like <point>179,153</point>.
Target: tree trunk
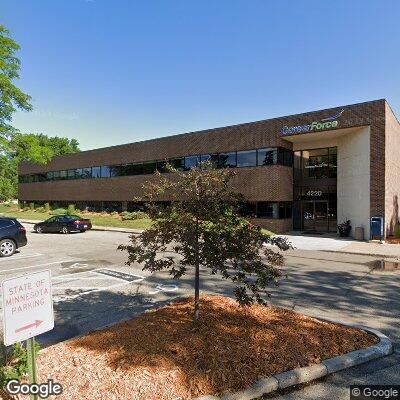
<point>197,280</point>
<point>197,295</point>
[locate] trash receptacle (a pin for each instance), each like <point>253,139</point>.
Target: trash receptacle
<point>359,233</point>
<point>376,228</point>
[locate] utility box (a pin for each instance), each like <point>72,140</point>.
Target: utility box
<point>376,228</point>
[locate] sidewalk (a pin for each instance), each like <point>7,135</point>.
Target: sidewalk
<point>335,244</point>
<point>94,227</point>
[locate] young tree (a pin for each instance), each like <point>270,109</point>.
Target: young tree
<point>202,225</point>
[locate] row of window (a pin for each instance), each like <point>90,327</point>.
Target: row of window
<point>235,159</point>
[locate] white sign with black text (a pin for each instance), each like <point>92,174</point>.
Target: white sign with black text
<point>27,306</point>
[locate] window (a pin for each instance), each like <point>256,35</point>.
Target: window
<point>56,175</point>
<point>149,167</point>
<point>71,174</point>
<point>267,210</point>
<point>49,176</point>
<point>86,173</point>
<point>4,223</point>
<point>105,171</point>
<point>247,158</point>
<point>191,162</point>
<point>227,160</point>
<point>117,170</point>
<point>96,172</point>
<point>63,175</point>
<point>78,173</point>
<point>162,166</point>
<point>285,157</point>
<point>285,209</point>
<point>41,177</point>
<point>178,163</point>
<point>267,156</point>
<point>135,169</point>
<point>248,209</point>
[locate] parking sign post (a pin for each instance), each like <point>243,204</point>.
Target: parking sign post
<point>30,347</point>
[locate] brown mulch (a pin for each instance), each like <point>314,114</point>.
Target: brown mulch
<point>392,240</point>
<point>160,356</point>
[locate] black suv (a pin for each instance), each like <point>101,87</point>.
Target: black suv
<point>12,236</point>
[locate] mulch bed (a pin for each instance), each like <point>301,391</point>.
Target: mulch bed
<point>392,240</point>
<point>160,356</point>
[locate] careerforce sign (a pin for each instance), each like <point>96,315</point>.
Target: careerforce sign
<point>326,123</point>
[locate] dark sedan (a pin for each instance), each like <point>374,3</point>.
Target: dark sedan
<point>12,236</point>
<point>63,224</point>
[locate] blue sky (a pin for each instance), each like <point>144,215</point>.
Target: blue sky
<point>111,72</point>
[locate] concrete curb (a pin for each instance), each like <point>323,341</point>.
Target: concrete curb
<point>306,374</point>
<point>97,228</point>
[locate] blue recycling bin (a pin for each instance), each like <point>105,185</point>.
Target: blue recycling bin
<point>376,229</point>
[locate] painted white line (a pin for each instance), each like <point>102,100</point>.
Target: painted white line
<point>74,296</point>
<point>71,277</point>
<point>31,266</point>
<point>21,257</point>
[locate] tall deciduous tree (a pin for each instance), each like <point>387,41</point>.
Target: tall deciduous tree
<point>11,97</point>
<point>202,225</point>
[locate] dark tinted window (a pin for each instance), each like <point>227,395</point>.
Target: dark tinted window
<point>247,158</point>
<point>105,171</point>
<point>96,172</point>
<point>78,173</point>
<point>227,160</point>
<point>267,156</point>
<point>117,170</point>
<point>63,175</point>
<point>71,174</point>
<point>134,169</point>
<point>56,175</point>
<point>49,176</point>
<point>192,161</point>
<point>149,168</point>
<point>178,163</point>
<point>86,173</point>
<point>161,166</point>
<point>4,223</point>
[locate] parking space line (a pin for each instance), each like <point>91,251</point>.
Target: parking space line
<point>22,257</point>
<point>31,266</point>
<point>73,296</point>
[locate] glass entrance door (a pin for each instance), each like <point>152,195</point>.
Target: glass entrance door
<point>315,215</point>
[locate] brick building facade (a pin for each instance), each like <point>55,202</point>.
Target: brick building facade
<point>306,171</point>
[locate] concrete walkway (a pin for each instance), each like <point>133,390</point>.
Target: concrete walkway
<point>342,245</point>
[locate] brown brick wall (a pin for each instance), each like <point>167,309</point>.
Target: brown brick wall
<point>392,171</point>
<point>274,225</point>
<point>274,183</point>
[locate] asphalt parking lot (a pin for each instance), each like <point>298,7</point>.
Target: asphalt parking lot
<point>93,288</point>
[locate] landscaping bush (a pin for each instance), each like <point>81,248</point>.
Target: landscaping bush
<point>16,365</point>
<point>40,209</point>
<point>126,215</point>
<point>32,206</point>
<point>47,207</point>
<point>397,231</point>
<point>115,214</point>
<point>71,209</point>
<point>58,211</point>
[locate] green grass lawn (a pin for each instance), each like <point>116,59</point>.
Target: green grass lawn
<point>99,220</point>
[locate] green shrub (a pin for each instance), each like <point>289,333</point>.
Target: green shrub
<point>47,207</point>
<point>40,209</point>
<point>32,206</point>
<point>397,231</point>
<point>58,211</point>
<point>114,214</point>
<point>126,215</point>
<point>26,209</point>
<point>16,365</point>
<point>71,209</point>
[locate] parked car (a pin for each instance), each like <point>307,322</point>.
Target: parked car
<point>12,236</point>
<point>63,224</point>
